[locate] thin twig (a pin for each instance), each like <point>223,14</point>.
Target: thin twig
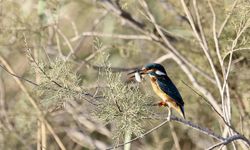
<point>176,119</point>
<point>31,82</point>
<point>94,25</point>
<point>225,107</point>
<point>235,50</point>
<point>112,69</point>
<point>226,141</point>
<point>112,35</point>
<point>230,126</point>
<point>201,31</point>
<point>227,18</point>
<point>66,40</point>
<point>190,124</point>
<point>206,102</point>
<point>175,137</point>
<point>163,58</point>
<point>43,140</point>
<point>38,138</point>
<point>216,42</point>
<point>141,136</point>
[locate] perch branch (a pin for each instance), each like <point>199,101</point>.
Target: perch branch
<point>223,141</point>
<point>140,137</point>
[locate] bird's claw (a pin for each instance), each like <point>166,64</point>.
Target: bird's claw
<point>162,104</point>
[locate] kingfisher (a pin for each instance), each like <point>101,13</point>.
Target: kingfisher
<point>163,87</point>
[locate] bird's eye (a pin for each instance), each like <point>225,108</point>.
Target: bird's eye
<point>160,73</point>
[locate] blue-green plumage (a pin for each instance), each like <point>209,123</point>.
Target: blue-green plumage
<point>164,87</point>
<point>168,87</point>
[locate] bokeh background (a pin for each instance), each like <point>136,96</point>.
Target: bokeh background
<point>78,42</point>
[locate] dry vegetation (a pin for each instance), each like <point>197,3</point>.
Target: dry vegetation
<point>64,65</point>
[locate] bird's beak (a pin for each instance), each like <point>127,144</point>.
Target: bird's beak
<point>142,72</point>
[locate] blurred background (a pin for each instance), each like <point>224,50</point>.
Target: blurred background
<point>76,43</point>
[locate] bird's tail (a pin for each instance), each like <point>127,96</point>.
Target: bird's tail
<point>181,111</point>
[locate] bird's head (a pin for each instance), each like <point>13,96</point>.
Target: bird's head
<point>153,70</point>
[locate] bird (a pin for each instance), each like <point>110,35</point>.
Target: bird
<point>163,87</point>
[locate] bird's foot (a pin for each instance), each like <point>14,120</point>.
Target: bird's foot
<point>162,103</point>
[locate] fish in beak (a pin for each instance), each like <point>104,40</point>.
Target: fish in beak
<point>138,74</point>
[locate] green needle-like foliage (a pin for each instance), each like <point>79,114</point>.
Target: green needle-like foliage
<point>57,85</point>
<point>124,105</point>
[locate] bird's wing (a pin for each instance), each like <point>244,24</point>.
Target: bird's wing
<point>169,88</point>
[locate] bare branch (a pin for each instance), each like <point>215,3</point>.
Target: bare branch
<point>119,36</point>
<point>216,38</point>
<point>169,48</point>
<point>226,19</point>
<point>199,24</point>
<point>31,82</point>
<point>227,141</point>
<point>205,49</point>
<point>176,119</point>
<point>141,136</point>
<point>163,58</point>
<point>235,50</point>
<point>175,137</point>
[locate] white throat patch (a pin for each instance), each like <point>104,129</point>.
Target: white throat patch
<point>160,73</point>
